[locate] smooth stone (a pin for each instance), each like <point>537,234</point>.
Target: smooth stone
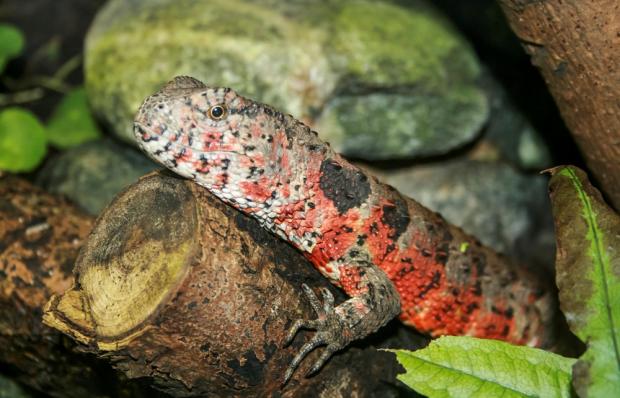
<point>93,173</point>
<point>504,209</point>
<point>310,59</point>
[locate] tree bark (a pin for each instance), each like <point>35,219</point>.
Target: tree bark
<point>178,288</point>
<point>576,46</point>
<point>40,235</point>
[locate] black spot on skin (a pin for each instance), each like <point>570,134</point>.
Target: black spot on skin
<point>406,260</point>
<point>192,305</point>
<point>374,228</point>
<point>205,347</point>
<point>441,257</point>
<point>150,138</point>
<point>478,289</point>
<point>479,262</point>
<point>346,188</point>
<point>404,271</point>
<point>505,331</point>
<point>509,313</point>
<point>314,147</point>
<point>434,283</point>
<point>396,217</point>
<point>390,248</point>
<point>181,153</point>
<point>471,307</point>
<point>495,310</point>
<point>290,134</point>
<point>361,239</point>
<point>311,205</point>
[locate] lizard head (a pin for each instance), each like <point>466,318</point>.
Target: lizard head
<point>211,135</point>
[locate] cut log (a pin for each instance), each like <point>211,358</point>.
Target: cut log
<point>576,46</point>
<point>40,235</point>
<point>178,288</point>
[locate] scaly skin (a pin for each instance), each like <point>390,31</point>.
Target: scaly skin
<point>391,255</point>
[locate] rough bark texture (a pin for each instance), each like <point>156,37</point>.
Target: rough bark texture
<point>576,46</point>
<point>40,236</point>
<point>227,292</point>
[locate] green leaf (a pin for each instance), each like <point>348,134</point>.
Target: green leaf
<point>22,140</point>
<point>11,44</point>
<point>469,367</point>
<point>72,122</point>
<point>588,276</point>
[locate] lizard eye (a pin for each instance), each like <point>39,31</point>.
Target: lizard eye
<point>217,112</point>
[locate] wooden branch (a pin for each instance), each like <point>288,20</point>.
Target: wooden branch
<point>178,288</point>
<point>576,46</point>
<point>40,235</point>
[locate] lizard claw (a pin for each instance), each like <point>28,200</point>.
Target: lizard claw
<point>330,332</point>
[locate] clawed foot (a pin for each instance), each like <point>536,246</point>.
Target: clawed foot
<point>330,332</point>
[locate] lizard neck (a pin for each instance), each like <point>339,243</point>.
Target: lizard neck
<point>276,181</point>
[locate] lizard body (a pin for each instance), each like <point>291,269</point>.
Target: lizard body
<point>389,254</point>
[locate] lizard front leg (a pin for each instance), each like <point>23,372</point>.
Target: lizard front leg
<point>374,301</point>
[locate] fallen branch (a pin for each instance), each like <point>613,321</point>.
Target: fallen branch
<point>178,288</point>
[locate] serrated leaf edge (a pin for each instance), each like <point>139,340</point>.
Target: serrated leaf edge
<point>459,370</point>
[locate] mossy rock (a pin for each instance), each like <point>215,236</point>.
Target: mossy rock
<point>305,57</point>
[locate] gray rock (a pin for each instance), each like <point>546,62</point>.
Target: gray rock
<point>504,209</point>
<point>410,79</point>
<point>93,173</point>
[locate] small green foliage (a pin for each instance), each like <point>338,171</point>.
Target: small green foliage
<point>11,44</point>
<point>588,276</point>
<point>470,367</point>
<point>22,140</point>
<point>464,247</point>
<point>72,123</point>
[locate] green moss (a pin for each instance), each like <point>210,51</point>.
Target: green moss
<point>295,56</point>
<point>387,44</point>
<point>417,124</point>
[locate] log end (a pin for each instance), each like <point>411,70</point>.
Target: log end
<point>132,262</point>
